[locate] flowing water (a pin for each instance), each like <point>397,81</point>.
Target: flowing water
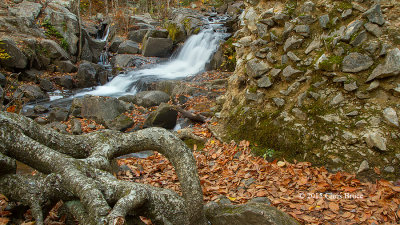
<point>191,60</point>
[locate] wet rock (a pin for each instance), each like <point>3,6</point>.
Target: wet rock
<point>165,116</point>
<point>157,47</point>
<point>364,166</point>
<point>391,67</point>
<point>116,42</point>
<point>246,214</point>
<point>373,29</point>
<point>128,47</point>
<point>65,67</point>
<point>356,62</point>
<point>256,68</point>
<point>390,115</point>
<point>337,99</point>
<point>374,15</point>
<point>87,75</point>
<point>17,57</point>
<point>292,43</point>
<point>264,82</point>
<point>290,73</point>
<point>374,139</point>
<point>31,93</point>
<point>120,123</point>
<point>324,21</point>
<point>46,85</point>
<point>100,109</point>
<point>58,114</point>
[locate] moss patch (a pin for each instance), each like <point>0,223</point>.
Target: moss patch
<point>52,32</point>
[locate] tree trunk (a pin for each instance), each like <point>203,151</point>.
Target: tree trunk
<point>77,170</point>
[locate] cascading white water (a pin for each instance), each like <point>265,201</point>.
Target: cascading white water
<point>191,60</point>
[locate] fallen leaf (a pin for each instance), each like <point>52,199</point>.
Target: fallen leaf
<point>333,206</point>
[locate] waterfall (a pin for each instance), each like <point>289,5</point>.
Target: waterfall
<point>191,60</point>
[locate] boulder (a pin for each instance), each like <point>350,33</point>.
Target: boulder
<point>165,116</point>
<point>356,62</point>
<point>26,10</point>
<point>76,107</point>
<point>46,85</point>
<point>53,50</point>
<point>137,35</point>
<point>147,98</point>
<point>65,66</point>
<point>116,41</point>
<point>246,214</point>
<point>31,93</point>
<point>157,47</point>
<point>128,47</point>
<point>391,67</point>
<point>374,15</point>
<point>125,60</point>
<point>64,81</point>
<point>91,48</point>
<point>120,123</point>
<point>30,75</point>
<point>176,31</point>
<point>87,75</point>
<point>101,109</point>
<point>58,114</point>
<point>17,58</point>
<point>256,68</point>
<point>76,127</point>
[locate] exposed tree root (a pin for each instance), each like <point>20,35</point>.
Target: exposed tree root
<point>76,169</point>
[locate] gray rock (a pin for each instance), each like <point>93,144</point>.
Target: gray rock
<point>374,15</point>
<point>147,98</point>
<point>358,7</point>
<point>30,75</point>
<point>315,44</point>
<point>303,30</point>
<point>314,95</point>
<point>389,169</point>
<point>100,109</point>
<point>46,85</point>
<point>262,30</point>
<point>351,29</point>
<point>292,43</point>
<point>353,113</point>
<point>54,50</point>
<point>27,10</point>
<point>3,80</point>
<point>372,47</point>
<point>115,43</point>
<point>76,127</point>
<point>356,62</point>
<point>275,72</point>
<point>287,29</point>
<point>346,13</point>
<point>128,47</point>
<point>324,21</point>
<point>384,49</point>
<point>256,68</point>
<point>279,101</point>
<point>362,95</point>
<point>31,93</point>
<point>337,99</point>
<point>299,114</point>
<point>120,123</point>
<point>17,57</point>
<point>137,35</point>
<point>59,127</point>
<point>290,73</point>
<point>65,67</point>
<point>307,19</point>
<point>263,200</point>
<point>271,58</point>
<point>308,7</point>
<point>87,75</point>
<point>359,39</point>
<point>157,47</point>
<point>284,60</point>
<point>391,67</point>
<point>373,29</point>
<point>351,86</point>
<point>374,139</point>
<point>246,214</point>
<point>374,85</point>
<point>293,87</point>
<point>340,79</point>
<point>58,114</point>
<point>176,30</point>
<point>280,18</point>
<point>364,166</point>
<point>293,56</point>
<point>264,82</point>
<point>65,81</point>
<point>40,109</point>
<point>390,115</point>
<point>165,116</point>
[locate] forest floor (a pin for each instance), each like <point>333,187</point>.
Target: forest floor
<point>229,171</point>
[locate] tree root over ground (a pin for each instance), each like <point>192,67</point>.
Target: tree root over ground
<point>77,169</point>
